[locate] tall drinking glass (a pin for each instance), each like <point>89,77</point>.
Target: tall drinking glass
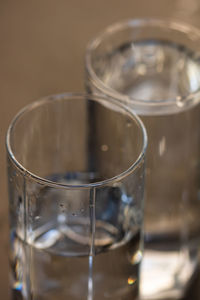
<point>153,66</point>
<point>76,182</point>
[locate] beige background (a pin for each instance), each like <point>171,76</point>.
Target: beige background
<point>42,46</point>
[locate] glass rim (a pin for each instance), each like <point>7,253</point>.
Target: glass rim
<point>192,32</point>
<point>75,96</point>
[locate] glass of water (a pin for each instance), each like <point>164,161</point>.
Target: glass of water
<point>76,184</point>
<point>153,66</point>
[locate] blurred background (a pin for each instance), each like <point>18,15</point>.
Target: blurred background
<point>42,46</point>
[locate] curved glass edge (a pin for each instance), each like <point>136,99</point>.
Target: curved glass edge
<point>139,105</point>
<point>76,96</point>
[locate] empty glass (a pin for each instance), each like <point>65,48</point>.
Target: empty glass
<point>76,182</point>
<point>153,66</point>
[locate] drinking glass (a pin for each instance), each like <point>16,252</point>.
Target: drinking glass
<point>153,66</point>
<point>76,184</point>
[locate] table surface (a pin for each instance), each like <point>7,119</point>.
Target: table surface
<point>42,53</point>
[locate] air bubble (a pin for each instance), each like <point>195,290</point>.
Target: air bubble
<point>128,124</point>
<point>104,148</point>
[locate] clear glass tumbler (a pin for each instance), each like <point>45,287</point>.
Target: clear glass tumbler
<point>153,66</point>
<point>76,184</point>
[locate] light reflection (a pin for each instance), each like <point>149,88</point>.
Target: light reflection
<point>162,146</point>
<point>17,286</point>
<point>131,280</point>
<point>136,258</point>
